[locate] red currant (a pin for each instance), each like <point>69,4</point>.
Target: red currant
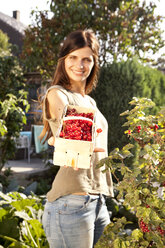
<point>143,226</point>
<point>77,129</point>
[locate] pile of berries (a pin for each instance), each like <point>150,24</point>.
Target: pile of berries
<point>77,129</point>
<point>143,226</point>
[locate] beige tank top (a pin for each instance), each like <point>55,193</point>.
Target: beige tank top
<point>93,180</point>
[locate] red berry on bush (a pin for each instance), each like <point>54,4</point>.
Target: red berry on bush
<point>143,226</point>
<point>138,128</point>
<point>129,131</point>
<point>161,231</point>
<point>156,127</point>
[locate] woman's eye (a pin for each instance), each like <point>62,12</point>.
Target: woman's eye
<point>72,57</point>
<point>88,59</point>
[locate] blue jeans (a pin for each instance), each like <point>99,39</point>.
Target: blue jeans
<point>75,221</point>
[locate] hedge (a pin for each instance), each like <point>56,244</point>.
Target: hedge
<point>118,83</point>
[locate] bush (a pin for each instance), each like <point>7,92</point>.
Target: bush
<point>118,83</point>
<point>13,105</point>
<point>141,189</point>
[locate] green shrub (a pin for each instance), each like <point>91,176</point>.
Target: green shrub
<point>13,105</point>
<point>118,83</point>
<point>141,189</point>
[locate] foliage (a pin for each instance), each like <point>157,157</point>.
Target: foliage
<point>13,105</point>
<point>118,83</point>
<point>142,186</point>
<point>20,221</point>
<point>11,76</point>
<point>4,44</point>
<point>124,28</point>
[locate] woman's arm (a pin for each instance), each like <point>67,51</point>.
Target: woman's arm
<point>56,101</point>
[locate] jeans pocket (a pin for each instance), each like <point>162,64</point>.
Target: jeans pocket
<point>73,204</point>
<point>46,221</point>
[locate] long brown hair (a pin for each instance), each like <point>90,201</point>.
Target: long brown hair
<point>75,40</point>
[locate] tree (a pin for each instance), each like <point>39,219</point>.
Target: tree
<point>4,43</point>
<point>13,105</point>
<point>124,28</point>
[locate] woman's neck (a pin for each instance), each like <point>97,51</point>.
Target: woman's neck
<point>78,88</point>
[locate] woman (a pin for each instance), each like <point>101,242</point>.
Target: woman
<point>75,213</point>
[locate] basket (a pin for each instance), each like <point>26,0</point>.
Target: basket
<point>70,152</point>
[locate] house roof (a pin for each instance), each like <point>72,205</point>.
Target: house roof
<point>13,28</point>
<point>15,24</point>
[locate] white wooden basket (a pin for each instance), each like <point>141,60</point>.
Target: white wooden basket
<point>74,153</point>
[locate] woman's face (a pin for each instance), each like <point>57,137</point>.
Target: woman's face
<point>78,64</point>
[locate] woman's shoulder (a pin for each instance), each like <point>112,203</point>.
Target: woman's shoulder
<point>55,89</point>
<point>56,92</point>
<point>56,95</point>
<point>55,102</point>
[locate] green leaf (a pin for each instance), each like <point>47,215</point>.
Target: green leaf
<point>3,212</point>
<point>5,197</point>
<point>21,204</point>
<point>37,226</point>
<point>9,227</point>
<point>15,243</point>
<point>137,234</point>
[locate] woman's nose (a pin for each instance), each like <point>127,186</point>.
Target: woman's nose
<point>80,64</point>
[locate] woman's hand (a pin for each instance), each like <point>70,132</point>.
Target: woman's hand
<point>51,141</point>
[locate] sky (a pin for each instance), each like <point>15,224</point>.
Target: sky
<point>26,6</point>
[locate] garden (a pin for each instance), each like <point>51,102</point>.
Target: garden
<point>130,94</point>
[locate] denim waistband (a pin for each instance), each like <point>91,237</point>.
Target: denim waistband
<point>88,198</point>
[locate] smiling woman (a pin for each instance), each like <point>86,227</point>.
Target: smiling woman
<point>75,210</point>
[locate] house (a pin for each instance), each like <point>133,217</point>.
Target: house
<point>13,28</point>
<point>16,31</point>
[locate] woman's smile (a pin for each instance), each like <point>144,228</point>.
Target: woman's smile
<point>79,73</point>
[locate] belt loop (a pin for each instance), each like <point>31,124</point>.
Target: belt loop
<point>102,198</point>
<point>88,200</point>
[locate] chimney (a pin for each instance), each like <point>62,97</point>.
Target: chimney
<point>16,15</point>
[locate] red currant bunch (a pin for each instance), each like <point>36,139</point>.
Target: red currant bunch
<point>77,129</point>
<point>155,127</point>
<point>143,226</point>
<point>138,128</point>
<point>161,231</point>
